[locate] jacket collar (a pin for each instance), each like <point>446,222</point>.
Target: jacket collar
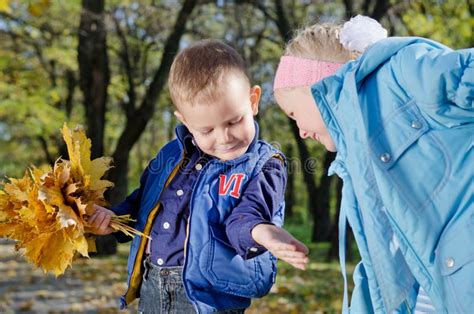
<point>337,96</point>
<point>383,50</point>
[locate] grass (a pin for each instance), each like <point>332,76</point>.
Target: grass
<point>319,289</point>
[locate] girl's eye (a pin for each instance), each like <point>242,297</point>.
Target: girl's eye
<point>236,121</point>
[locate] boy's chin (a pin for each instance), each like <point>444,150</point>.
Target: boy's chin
<point>231,155</point>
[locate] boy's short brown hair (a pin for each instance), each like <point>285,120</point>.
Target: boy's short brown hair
<point>197,71</point>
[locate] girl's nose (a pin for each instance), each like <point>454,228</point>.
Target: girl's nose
<point>303,134</point>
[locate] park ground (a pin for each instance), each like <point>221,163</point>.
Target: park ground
<point>94,285</point>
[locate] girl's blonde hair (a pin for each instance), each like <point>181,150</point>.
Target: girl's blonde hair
<point>320,42</point>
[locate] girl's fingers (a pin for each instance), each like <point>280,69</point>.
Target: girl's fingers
<point>298,265</point>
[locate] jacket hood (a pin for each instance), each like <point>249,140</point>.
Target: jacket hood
<point>337,96</point>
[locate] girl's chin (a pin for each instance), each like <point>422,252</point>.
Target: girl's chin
<point>330,147</point>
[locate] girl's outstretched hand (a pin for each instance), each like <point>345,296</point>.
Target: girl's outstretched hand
<point>281,244</point>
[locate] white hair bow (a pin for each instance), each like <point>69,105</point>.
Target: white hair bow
<point>360,32</point>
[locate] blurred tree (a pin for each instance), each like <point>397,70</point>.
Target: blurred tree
<point>139,111</point>
<point>94,73</point>
<point>450,22</point>
<point>94,77</point>
<point>317,201</point>
<point>37,81</point>
<point>119,52</point>
<point>287,16</point>
<point>30,30</point>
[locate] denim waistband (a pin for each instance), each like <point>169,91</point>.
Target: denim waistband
<point>167,271</point>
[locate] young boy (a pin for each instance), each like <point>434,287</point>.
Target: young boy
<point>212,200</point>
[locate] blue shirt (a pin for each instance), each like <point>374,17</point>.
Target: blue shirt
<point>261,197</point>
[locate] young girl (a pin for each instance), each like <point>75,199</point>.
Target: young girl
<point>401,119</point>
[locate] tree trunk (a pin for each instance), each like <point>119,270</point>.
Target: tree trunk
<point>94,80</point>
<point>138,118</point>
<point>290,185</point>
<point>285,30</point>
<point>333,252</point>
<point>321,222</point>
<point>120,178</point>
<point>94,71</point>
<point>308,175</point>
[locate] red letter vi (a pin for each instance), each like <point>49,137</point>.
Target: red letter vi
<point>224,184</point>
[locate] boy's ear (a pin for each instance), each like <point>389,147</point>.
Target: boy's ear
<point>180,117</point>
<point>255,93</point>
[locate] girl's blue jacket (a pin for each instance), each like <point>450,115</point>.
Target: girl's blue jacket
<point>402,119</point>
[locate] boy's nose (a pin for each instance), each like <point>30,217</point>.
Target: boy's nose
<point>303,134</point>
<point>226,137</point>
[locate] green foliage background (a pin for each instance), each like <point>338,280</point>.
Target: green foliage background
<point>38,50</point>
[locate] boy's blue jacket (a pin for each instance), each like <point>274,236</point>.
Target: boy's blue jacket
<point>215,276</point>
<point>402,119</point>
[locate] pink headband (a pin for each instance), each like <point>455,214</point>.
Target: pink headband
<point>295,71</point>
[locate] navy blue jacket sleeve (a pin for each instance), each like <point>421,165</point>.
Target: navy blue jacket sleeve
<point>259,201</point>
<point>130,206</point>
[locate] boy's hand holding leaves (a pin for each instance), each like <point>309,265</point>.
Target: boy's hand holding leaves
<point>99,222</point>
<point>49,213</point>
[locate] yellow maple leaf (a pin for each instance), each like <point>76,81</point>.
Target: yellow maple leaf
<point>91,243</point>
<point>51,251</point>
<point>81,245</point>
<point>82,208</point>
<point>62,171</point>
<point>7,213</point>
<point>18,188</point>
<point>99,167</point>
<point>79,150</point>
<point>46,211</point>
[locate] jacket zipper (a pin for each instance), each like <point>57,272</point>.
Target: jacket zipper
<point>188,226</point>
<point>133,285</point>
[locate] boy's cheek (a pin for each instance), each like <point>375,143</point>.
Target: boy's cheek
<point>202,143</point>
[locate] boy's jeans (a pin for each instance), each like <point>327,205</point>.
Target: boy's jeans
<point>162,292</point>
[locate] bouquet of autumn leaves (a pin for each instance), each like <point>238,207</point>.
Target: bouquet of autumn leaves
<point>46,212</point>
